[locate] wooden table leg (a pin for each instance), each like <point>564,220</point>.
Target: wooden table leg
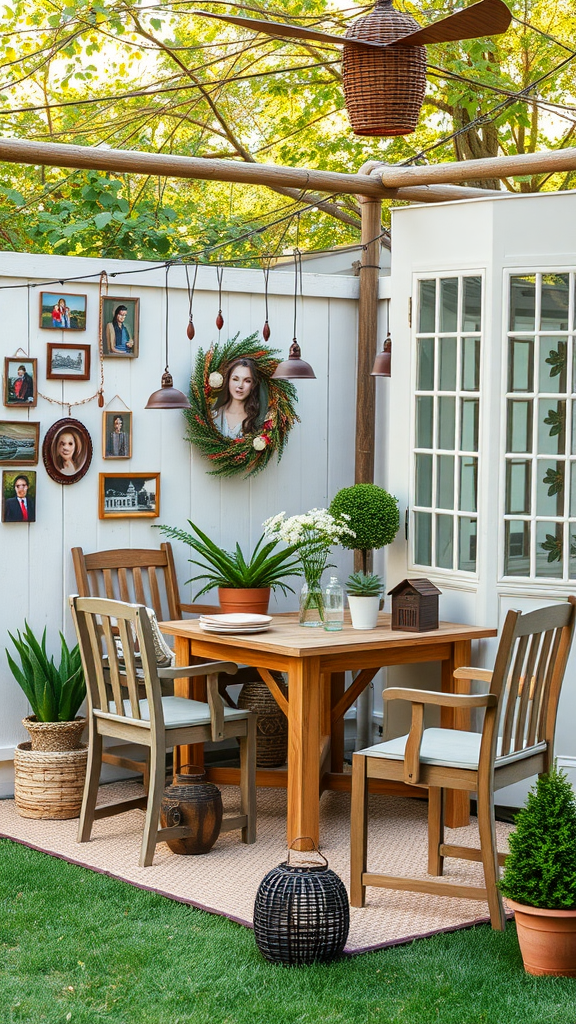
<point>337,685</point>
<point>304,750</point>
<point>195,688</point>
<point>457,811</point>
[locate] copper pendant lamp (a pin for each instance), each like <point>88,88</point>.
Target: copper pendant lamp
<point>295,368</point>
<point>383,361</point>
<point>168,397</point>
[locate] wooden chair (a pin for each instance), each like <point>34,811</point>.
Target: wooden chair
<point>517,741</point>
<point>135,575</point>
<point>155,721</point>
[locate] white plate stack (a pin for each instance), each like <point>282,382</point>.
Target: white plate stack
<point>240,622</point>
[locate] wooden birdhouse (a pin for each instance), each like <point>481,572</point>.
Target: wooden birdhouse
<point>415,606</point>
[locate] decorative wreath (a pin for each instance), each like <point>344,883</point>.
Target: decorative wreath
<point>249,453</point>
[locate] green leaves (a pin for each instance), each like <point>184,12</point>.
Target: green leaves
<point>54,693</point>
<point>266,567</point>
<point>361,584</point>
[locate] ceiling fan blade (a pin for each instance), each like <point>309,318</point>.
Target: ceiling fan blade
<point>487,18</point>
<point>277,28</point>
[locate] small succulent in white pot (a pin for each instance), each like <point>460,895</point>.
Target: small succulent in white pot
<point>364,593</point>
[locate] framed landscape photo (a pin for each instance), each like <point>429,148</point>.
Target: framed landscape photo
<point>68,362</point>
<point>19,496</point>
<point>60,311</point>
<point>117,434</point>
<point>120,320</point>
<point>19,443</point>
<point>129,495</point>
<point>20,383</point>
<point>67,451</point>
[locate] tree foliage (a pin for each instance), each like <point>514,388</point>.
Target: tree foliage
<point>160,78</point>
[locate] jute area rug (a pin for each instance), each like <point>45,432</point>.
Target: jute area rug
<point>225,880</point>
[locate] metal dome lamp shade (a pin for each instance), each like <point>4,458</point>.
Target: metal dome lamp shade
<point>383,360</point>
<point>168,397</point>
<point>295,368</point>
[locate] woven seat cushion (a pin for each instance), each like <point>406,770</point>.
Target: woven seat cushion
<point>179,711</point>
<point>448,748</point>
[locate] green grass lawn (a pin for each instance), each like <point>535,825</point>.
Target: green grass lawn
<point>80,947</point>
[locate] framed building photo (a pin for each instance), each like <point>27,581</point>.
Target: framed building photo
<point>19,496</point>
<point>129,495</point>
<point>68,362</point>
<point>19,443</point>
<point>120,326</point>
<point>20,388</point>
<point>62,312</point>
<point>117,434</point>
<point>67,451</point>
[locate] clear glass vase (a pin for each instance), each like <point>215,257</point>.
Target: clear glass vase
<point>312,604</point>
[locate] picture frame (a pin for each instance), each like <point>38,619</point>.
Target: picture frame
<point>67,362</point>
<point>120,319</point>
<point>19,496</point>
<point>67,451</point>
<point>19,443</point>
<point>20,382</point>
<point>62,311</point>
<point>129,496</point>
<point>117,434</point>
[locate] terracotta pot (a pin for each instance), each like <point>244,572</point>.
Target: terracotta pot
<point>252,600</point>
<point>196,804</point>
<point>547,939</point>
<point>55,735</point>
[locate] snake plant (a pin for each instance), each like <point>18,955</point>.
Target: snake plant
<point>54,692</point>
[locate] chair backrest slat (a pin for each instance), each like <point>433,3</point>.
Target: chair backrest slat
<point>512,693</point>
<point>156,602</point>
<point>130,679</point>
<point>525,691</point>
<point>113,665</point>
<point>123,585</point>
<point>109,585</point>
<point>538,687</point>
<point>138,585</point>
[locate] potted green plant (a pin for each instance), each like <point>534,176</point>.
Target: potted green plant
<point>50,769</point>
<point>539,879</point>
<point>364,593</point>
<point>372,515</point>
<point>243,584</point>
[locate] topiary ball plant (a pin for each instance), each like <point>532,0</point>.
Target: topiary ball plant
<point>373,516</point>
<point>541,868</point>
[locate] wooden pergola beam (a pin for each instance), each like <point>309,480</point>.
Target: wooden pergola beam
<point>547,162</point>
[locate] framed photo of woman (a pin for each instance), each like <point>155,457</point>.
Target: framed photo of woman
<point>62,312</point>
<point>129,495</point>
<point>120,326</point>
<point>117,434</point>
<point>20,376</point>
<point>67,451</point>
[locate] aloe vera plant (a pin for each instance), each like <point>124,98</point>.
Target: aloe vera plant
<point>54,692</point>
<point>265,567</point>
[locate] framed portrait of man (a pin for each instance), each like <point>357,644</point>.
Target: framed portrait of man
<point>20,388</point>
<point>19,496</point>
<point>120,326</point>
<point>117,434</point>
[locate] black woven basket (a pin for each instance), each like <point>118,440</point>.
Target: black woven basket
<point>301,913</point>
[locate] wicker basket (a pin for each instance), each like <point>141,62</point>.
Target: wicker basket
<point>301,914</point>
<point>49,784</point>
<point>54,735</point>
<point>271,724</point>
<point>384,89</point>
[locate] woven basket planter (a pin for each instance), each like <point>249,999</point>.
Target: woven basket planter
<point>54,735</point>
<point>271,723</point>
<point>49,784</point>
<point>384,89</point>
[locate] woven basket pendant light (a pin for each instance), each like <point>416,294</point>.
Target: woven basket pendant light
<point>384,89</point>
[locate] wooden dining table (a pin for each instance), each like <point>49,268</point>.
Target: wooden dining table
<point>315,700</point>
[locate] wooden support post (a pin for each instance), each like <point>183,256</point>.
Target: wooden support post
<point>367,339</point>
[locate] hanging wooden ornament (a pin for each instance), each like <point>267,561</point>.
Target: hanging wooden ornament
<point>190,330</point>
<point>266,328</point>
<point>219,318</point>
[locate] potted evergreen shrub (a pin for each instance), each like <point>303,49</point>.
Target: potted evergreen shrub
<point>372,514</point>
<point>243,584</point>
<point>539,880</point>
<point>50,769</point>
<point>364,592</point>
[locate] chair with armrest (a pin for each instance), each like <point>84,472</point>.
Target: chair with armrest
<point>158,722</point>
<point>516,742</point>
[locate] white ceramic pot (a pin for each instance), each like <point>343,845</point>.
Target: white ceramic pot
<point>364,611</point>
